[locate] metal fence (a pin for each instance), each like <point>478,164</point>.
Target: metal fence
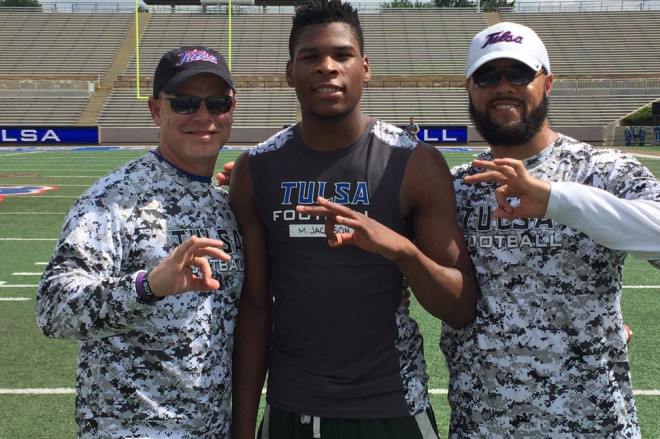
<point>363,6</point>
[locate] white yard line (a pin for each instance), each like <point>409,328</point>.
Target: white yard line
<point>28,239</point>
<point>60,391</point>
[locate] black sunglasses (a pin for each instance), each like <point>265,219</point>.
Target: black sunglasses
<point>521,75</point>
<point>190,104</point>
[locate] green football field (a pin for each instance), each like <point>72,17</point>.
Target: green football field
<point>37,374</point>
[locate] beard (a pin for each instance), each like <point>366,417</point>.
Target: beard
<point>512,134</point>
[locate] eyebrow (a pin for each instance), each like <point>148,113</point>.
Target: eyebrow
<point>344,48</point>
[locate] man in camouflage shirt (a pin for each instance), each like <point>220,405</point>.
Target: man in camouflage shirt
<point>548,221</point>
<point>148,271</point>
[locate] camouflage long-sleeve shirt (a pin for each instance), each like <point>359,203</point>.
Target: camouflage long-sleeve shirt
<point>546,355</point>
<point>161,370</point>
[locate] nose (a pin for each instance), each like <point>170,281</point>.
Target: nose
<point>202,112</point>
<point>327,64</point>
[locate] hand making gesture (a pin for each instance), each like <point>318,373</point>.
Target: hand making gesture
<point>175,275</point>
<point>533,194</point>
<point>368,234</point>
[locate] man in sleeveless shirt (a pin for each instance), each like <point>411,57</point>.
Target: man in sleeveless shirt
<point>335,211</point>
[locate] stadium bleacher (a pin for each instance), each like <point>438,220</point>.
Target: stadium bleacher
<point>60,44</point>
<point>611,43</point>
<point>416,57</point>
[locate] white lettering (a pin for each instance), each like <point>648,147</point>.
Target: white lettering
<point>7,139</point>
<point>514,241</point>
<point>426,137</point>
<point>50,135</point>
<point>30,136</point>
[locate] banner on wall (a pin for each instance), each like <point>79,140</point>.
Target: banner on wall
<point>442,134</point>
<point>49,135</point>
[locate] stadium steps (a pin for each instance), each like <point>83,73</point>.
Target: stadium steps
<point>592,44</point>
<point>37,107</point>
<point>122,57</point>
<point>68,45</point>
<point>271,107</point>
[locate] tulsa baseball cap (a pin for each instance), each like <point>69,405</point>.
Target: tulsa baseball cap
<point>507,40</point>
<point>179,65</point>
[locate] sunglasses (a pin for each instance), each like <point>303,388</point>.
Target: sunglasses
<point>190,104</point>
<point>521,75</point>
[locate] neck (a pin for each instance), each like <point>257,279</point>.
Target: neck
<point>539,142</point>
<point>203,169</point>
<point>331,134</point>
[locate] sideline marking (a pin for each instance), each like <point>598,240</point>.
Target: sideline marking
<point>28,239</point>
<point>57,391</point>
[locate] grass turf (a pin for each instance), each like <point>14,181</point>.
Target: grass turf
<point>30,360</point>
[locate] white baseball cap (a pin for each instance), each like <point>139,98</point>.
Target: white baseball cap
<point>507,40</point>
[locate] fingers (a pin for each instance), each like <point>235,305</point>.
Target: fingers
<point>326,208</point>
<point>194,246</point>
<point>500,171</point>
<point>334,214</point>
<point>224,177</point>
<point>502,197</point>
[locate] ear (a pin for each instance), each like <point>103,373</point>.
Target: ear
<point>289,73</point>
<point>547,86</point>
<point>367,69</point>
<point>154,108</point>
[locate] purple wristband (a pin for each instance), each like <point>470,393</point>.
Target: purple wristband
<point>139,288</point>
<point>144,290</point>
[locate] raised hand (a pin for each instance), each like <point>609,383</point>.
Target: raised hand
<point>532,194</point>
<point>368,234</point>
<point>175,275</point>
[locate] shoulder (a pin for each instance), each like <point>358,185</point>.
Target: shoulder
<point>606,168</point>
<point>274,143</point>
<point>599,158</point>
<point>125,181</point>
<point>393,136</point>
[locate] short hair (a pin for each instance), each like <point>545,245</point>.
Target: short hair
<point>325,12</point>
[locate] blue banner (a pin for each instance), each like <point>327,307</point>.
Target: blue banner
<point>442,134</point>
<point>49,136</point>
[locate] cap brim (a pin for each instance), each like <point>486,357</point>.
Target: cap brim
<point>530,61</point>
<point>177,81</point>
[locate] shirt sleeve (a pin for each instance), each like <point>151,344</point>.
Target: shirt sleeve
<point>619,224</point>
<point>86,291</point>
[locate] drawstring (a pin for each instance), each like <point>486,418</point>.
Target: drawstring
<point>316,424</point>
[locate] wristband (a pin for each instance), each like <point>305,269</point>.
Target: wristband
<point>144,290</point>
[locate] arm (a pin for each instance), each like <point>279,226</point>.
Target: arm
<point>86,290</point>
<point>437,265</point>
<point>438,268</point>
<point>601,215</point>
<point>252,335</point>
<point>606,218</point>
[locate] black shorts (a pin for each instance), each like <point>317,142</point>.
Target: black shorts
<point>278,424</point>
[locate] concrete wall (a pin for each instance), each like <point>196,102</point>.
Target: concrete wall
<point>149,135</point>
<point>585,134</point>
